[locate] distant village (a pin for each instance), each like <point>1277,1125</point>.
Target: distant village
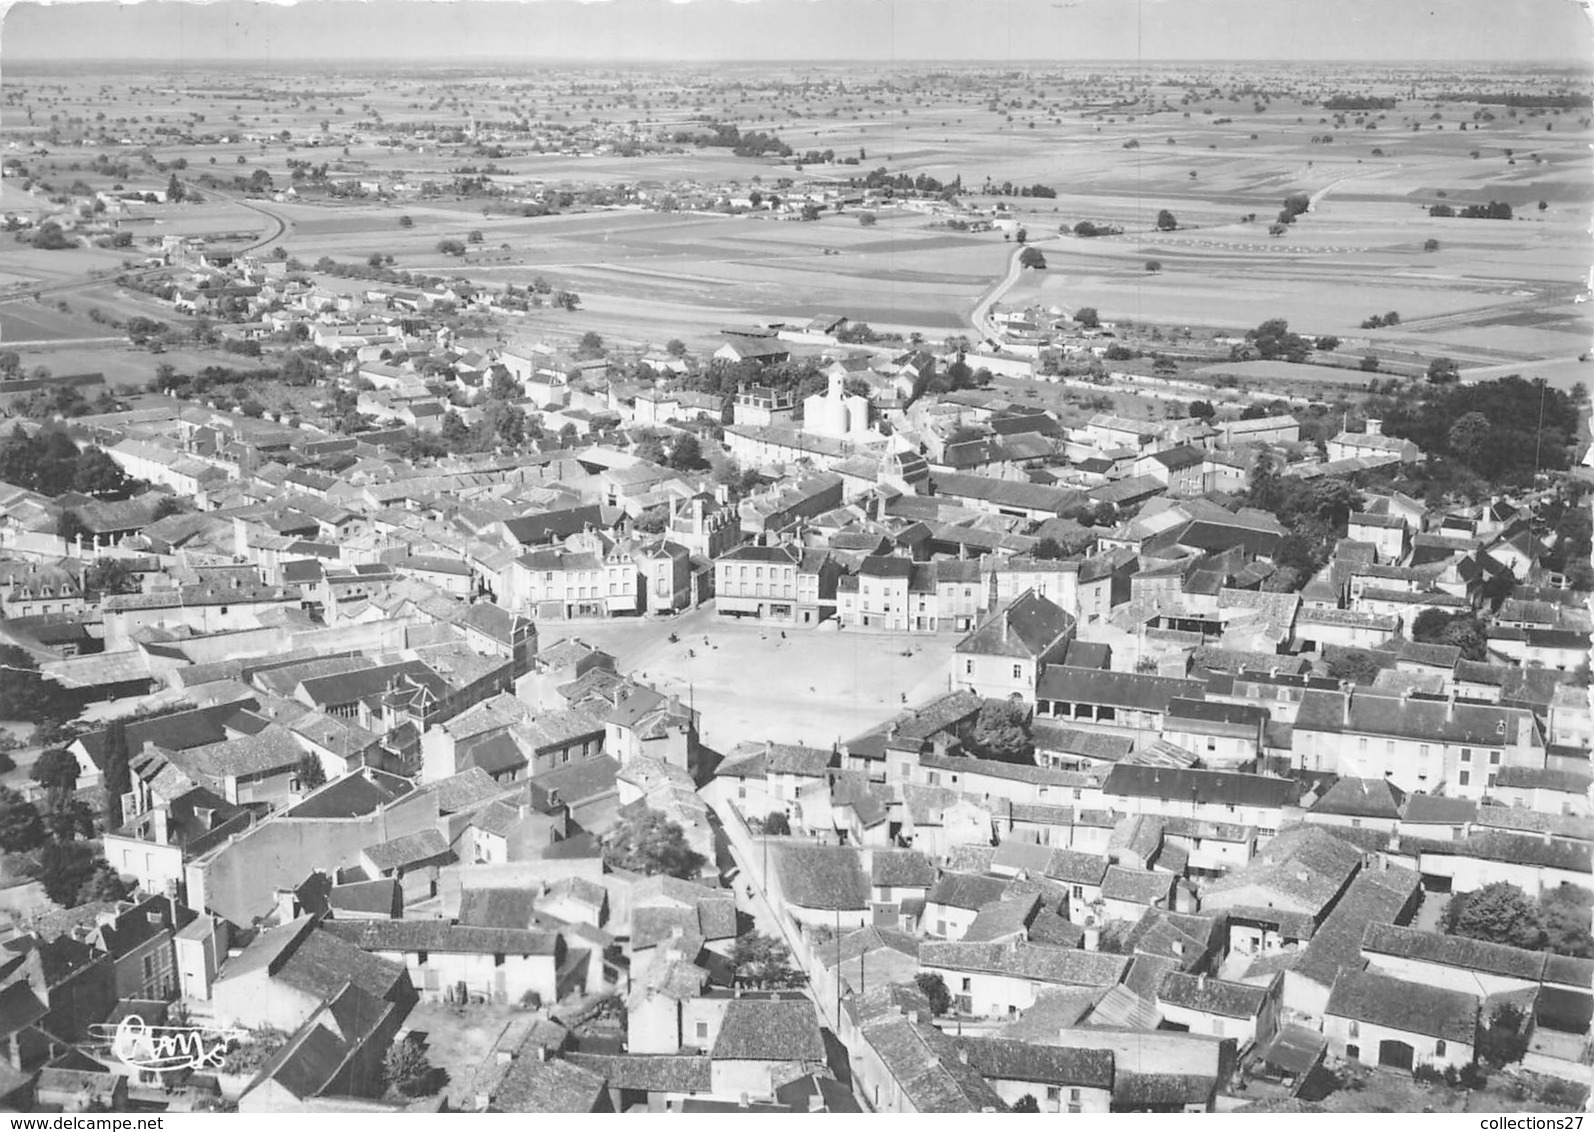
<point>1169,837</point>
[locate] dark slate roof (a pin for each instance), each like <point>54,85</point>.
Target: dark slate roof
<point>1408,717</point>
<point>1202,786</point>
<point>1515,848</point>
<point>1361,797</point>
<point>1025,627</point>
<point>1414,1008</point>
<point>769,1030</point>
<point>497,907</point>
<point>1132,690</point>
<point>1435,809</point>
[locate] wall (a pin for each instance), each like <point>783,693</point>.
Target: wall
<point>1368,1039</point>
<point>238,881</point>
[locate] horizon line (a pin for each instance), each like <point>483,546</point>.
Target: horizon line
<point>1576,62</point>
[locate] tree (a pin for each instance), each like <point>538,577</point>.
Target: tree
<point>503,386</point>
<point>1026,1103</point>
<point>1566,915</point>
<point>675,348</point>
<point>1048,549</point>
<point>21,828</point>
<point>1326,342</point>
<point>1503,1041</point>
<point>1087,317</point>
<point>1033,258</point>
<point>310,772</point>
<point>777,824</point>
<point>10,364</point>
<point>1430,245</point>
<point>450,247</point>
<point>651,449</point>
<point>1369,364</point>
<point>65,867</point>
<point>1001,732</point>
<point>1357,665</point>
<point>166,506</point>
<point>475,236</point>
<point>1203,410</point>
<point>1153,266</point>
<point>1442,371</point>
<point>1468,436</point>
<point>103,885</point>
<point>934,988</point>
<point>651,843</point>
<point>406,222</point>
<point>407,1070</point>
<point>110,576</point>
<point>454,432</point>
<point>1496,913</point>
<point>24,693</point>
<point>115,758</point>
<point>687,454</point>
<point>174,190</point>
<point>56,771</point>
<point>1166,222</point>
<point>590,346</point>
<point>867,219</point>
<point>764,963</point>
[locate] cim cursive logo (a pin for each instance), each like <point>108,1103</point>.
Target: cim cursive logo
<point>164,1049</point>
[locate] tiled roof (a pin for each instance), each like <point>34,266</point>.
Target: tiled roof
<point>441,936</point>
<point>769,1030</point>
<point>1027,961</point>
<point>821,876</point>
<point>1453,951</point>
<point>1413,1008</point>
<point>1007,1060</point>
<point>1212,996</point>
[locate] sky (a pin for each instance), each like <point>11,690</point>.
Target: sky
<point>1551,31</point>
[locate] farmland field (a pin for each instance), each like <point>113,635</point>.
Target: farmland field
<point>409,150</point>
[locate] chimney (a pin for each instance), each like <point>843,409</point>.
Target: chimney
<point>1450,706</point>
<point>816,1101</point>
<point>504,1056</point>
<point>158,819</point>
<point>1375,427</point>
<point>1201,982</point>
<point>287,905</point>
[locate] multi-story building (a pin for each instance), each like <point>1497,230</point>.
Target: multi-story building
<point>1417,743</point>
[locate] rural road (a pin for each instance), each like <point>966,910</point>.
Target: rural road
<point>282,223</point>
<point>980,317</point>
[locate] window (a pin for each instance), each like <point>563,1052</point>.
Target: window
<point>702,1031</point>
<point>1355,1030</point>
<point>1361,745</point>
<point>420,958</point>
<point>498,959</point>
<point>1018,672</point>
<point>968,668</point>
<point>1466,754</point>
<point>1494,758</point>
<point>1466,777</point>
<point>1053,1093</point>
<point>1422,751</point>
<point>968,984</point>
<point>1073,1094</point>
<point>1439,1048</point>
<point>1079,892</point>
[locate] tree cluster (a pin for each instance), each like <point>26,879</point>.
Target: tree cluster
<point>1503,430</point>
<point>1502,913</point>
<point>650,843</point>
<point>1275,339</point>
